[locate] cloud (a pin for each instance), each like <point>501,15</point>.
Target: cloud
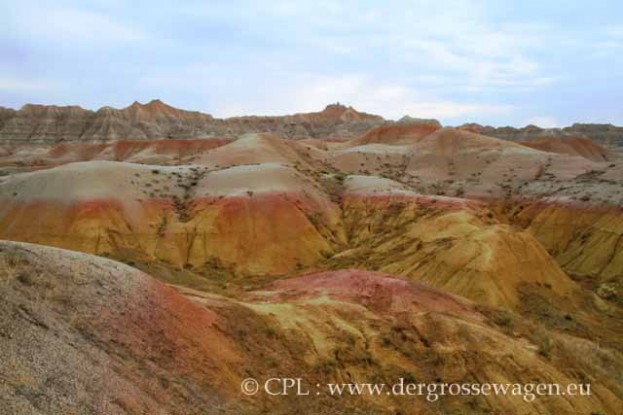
<point>455,40</point>
<point>487,59</point>
<point>452,59</point>
<point>615,31</point>
<point>544,122</point>
<point>609,43</point>
<point>389,99</point>
<point>311,92</point>
<point>22,85</point>
<point>73,25</point>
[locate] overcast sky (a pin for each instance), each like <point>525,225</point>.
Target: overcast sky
<point>497,62</point>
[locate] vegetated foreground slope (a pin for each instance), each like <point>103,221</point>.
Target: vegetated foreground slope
<point>82,334</point>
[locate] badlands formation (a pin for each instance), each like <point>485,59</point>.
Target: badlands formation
<point>332,244</point>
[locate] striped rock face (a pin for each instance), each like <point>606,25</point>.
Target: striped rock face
<point>254,219</point>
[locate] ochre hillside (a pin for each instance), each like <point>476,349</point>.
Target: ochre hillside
<point>113,330</point>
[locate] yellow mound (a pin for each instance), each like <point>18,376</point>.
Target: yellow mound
<point>448,245</point>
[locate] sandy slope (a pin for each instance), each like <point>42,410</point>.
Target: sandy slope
<point>82,334</point>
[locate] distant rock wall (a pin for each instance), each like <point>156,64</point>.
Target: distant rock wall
<point>604,134</point>
<point>50,124</point>
<point>42,124</point>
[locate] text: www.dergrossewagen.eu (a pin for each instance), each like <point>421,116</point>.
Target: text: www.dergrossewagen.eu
<point>430,391</point>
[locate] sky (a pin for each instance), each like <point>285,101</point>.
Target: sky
<point>496,62</point>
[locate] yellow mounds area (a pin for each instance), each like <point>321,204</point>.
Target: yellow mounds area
<point>478,216</point>
<point>456,249</point>
<point>586,242</point>
<point>269,219</point>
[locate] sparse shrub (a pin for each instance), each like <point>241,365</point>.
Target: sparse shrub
<point>606,291</point>
<point>409,377</point>
<point>545,347</point>
<point>325,366</point>
<point>270,332</point>
<point>340,177</point>
<point>326,254</point>
<point>386,341</point>
<point>504,318</point>
<point>350,338</point>
<point>25,278</point>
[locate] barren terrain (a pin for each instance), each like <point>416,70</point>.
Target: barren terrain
<point>332,244</point>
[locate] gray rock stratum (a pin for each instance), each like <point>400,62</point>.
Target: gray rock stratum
<point>35,124</point>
